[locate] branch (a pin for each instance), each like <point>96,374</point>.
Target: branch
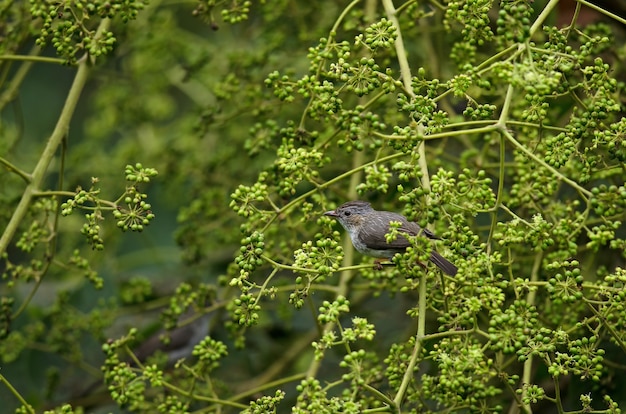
<point>60,131</point>
<point>405,73</point>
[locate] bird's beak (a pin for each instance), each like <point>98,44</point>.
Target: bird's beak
<point>331,213</point>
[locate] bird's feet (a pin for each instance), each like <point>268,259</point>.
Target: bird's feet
<point>378,264</point>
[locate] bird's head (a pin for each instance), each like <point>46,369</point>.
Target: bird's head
<point>351,214</point>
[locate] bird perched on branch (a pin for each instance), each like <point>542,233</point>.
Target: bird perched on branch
<point>367,229</point>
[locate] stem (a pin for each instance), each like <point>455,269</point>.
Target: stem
<point>356,175</point>
<point>12,168</point>
<point>33,59</point>
<point>530,299</point>
<point>32,292</point>
<point>494,219</point>
<point>380,396</point>
<point>601,10</point>
<point>60,131</point>
<point>25,405</point>
<point>615,335</point>
<point>419,337</point>
<point>505,107</point>
<point>342,16</point>
<point>439,135</point>
<point>405,74</point>
<point>405,69</point>
<point>267,385</point>
<point>543,16</point>
<point>553,170</point>
<point>331,35</point>
<point>557,395</point>
<point>12,88</point>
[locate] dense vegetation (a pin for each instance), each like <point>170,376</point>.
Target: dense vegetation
<point>165,168</point>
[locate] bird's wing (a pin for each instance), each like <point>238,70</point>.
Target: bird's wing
<point>379,242</point>
<point>414,229</point>
<point>376,240</point>
<point>409,227</point>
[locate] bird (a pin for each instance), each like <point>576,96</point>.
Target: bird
<point>367,229</point>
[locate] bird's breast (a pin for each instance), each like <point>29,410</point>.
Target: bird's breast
<point>359,241</point>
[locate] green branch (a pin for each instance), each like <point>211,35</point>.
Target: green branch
<point>603,11</point>
<point>538,160</point>
<point>60,131</point>
<point>17,395</point>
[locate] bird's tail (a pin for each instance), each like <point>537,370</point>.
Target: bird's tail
<point>443,263</point>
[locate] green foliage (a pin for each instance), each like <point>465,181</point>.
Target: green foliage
<point>134,216</point>
<point>493,124</point>
<point>68,26</point>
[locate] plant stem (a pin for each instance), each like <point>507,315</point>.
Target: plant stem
<point>530,299</point>
<point>538,160</point>
<point>25,405</point>
<point>543,16</point>
<point>356,172</point>
<point>9,166</point>
<point>603,11</point>
<point>405,74</point>
<point>10,92</point>
<point>39,173</point>
<point>498,203</point>
<point>419,337</point>
<point>60,131</point>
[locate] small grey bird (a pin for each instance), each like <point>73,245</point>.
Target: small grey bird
<point>367,228</point>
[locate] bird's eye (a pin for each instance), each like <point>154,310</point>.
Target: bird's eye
<point>346,213</point>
